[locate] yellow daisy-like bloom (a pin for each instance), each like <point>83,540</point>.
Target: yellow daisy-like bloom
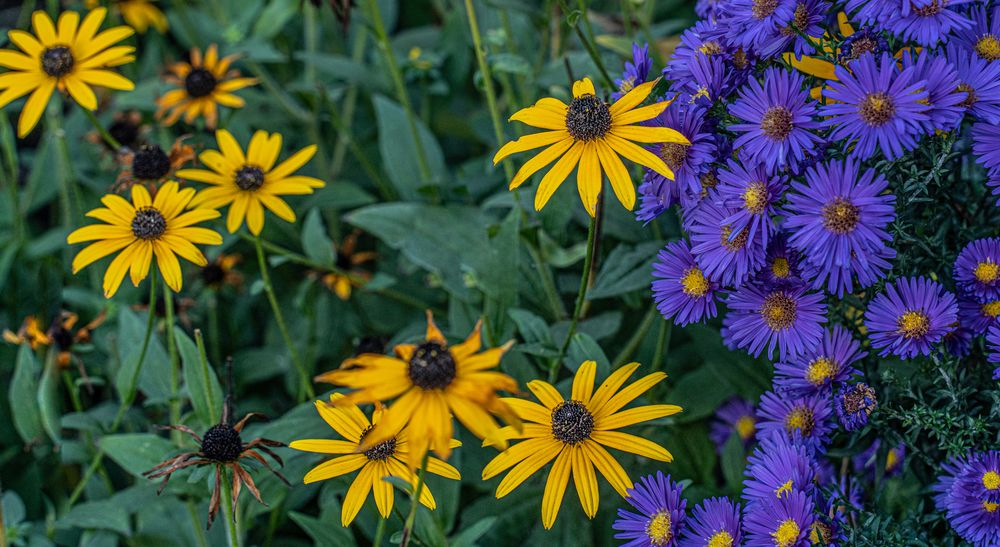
<point>70,58</point>
<point>575,433</point>
<point>205,83</point>
<point>430,382</point>
<point>138,14</point>
<point>376,462</point>
<point>249,182</point>
<point>593,134</point>
<point>144,228</point>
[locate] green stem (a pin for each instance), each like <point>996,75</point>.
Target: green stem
<point>232,531</point>
<point>284,99</point>
<point>344,130</point>
<point>588,44</point>
<point>414,503</point>
<point>484,69</point>
<point>108,138</point>
<point>215,338</point>
<point>379,532</point>
<point>305,386</point>
<point>175,364</point>
<point>548,283</point>
<point>640,334</point>
<point>662,340</point>
<point>350,103</point>
<point>375,14</point>
<point>128,396</point>
<point>581,296</point>
<point>196,524</point>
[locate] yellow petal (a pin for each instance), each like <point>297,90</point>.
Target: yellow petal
<point>545,393</point>
<point>530,142</point>
<point>609,467</point>
<point>583,87</point>
<point>142,259</point>
<point>638,154</point>
<point>589,179</point>
<point>583,381</point>
<point>255,215</point>
<point>116,271</point>
<point>229,147</point>
<point>17,60</point>
<point>525,469</point>
<point>812,66</point>
<point>68,22</point>
<point>257,146</point>
<point>621,182</point>
<point>95,232</point>
<point>629,394</point>
<point>585,480</point>
<point>517,454</point>
<point>293,163</point>
<point>636,415</point>
<point>551,181</point>
<point>442,469</point>
<point>35,106</point>
<point>641,114</point>
<point>641,133</point>
<point>44,28</point>
<point>610,385</point>
<point>382,490</point>
<point>632,444</point>
<point>324,446</point>
<point>340,420</point>
<point>633,98</point>
<point>542,159</point>
<point>168,265</point>
<point>237,212</point>
<point>81,93</point>
<point>27,42</point>
<point>543,114</point>
<point>99,250</point>
<point>105,78</point>
<point>555,486</point>
<point>335,468</point>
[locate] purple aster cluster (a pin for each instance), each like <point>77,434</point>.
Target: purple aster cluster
<point>736,417</point>
<point>680,289</point>
<point>659,513</point>
<point>822,368</point>
<point>968,493</point>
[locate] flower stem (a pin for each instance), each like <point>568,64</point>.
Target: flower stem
<point>484,69</point>
<point>414,503</point>
<point>375,14</point>
<point>379,532</point>
<point>588,44</point>
<point>232,531</point>
<point>581,296</point>
<point>305,387</point>
<point>175,364</point>
<point>112,142</point>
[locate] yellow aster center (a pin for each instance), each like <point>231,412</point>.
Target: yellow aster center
<point>801,419</point>
<point>736,243</point>
<point>785,488</point>
<point>658,529</point>
<point>787,534</point>
<point>626,85</point>
<point>990,506</point>
<point>891,459</point>
<point>746,426</point>
<point>876,109</point>
<point>780,267</point>
<point>819,534</point>
<point>779,311</point>
<point>988,47</point>
<point>987,272</point>
<point>992,309</point>
<point>914,324</point>
<point>821,370</point>
<point>991,480</point>
<point>694,282</point>
<point>721,538</point>
<point>711,48</point>
<point>755,198</point>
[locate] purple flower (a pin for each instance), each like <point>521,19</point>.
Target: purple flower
<point>944,99</point>
<point>910,316</point>
<point>929,23</point>
<point>872,11</point>
<point>868,460</point>
<point>724,258</point>
<point>986,144</point>
<point>779,118</point>
<point>980,80</point>
<point>969,492</point>
<point>783,521</point>
<point>787,318</point>
<point>854,404</point>
<point>838,220</point>
<point>776,468</point>
<point>808,18</point>
<point>715,522</point>
<point>749,194</point>
<point>977,317</point>
<point>709,82</point>
<point>993,341</point>
<point>839,280</point>
<point>756,25</point>
<point>736,416</point>
<point>636,71</point>
<point>806,419</point>
<point>861,42</point>
<point>820,367</point>
<point>958,342</point>
<point>977,268</point>
<point>874,103</point>
<point>983,37</point>
<point>781,266</point>
<point>702,40</point>
<point>680,289</point>
<point>660,515</point>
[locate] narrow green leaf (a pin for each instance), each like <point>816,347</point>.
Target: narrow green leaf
<point>315,242</point>
<point>202,384</point>
<point>23,387</point>
<point>48,398</point>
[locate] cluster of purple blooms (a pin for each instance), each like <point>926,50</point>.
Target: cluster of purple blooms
<point>792,110</point>
<point>968,492</point>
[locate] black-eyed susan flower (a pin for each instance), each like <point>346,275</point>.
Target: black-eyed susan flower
<point>429,382</point>
<point>70,58</point>
<point>150,165</point>
<point>222,271</point>
<point>590,135</point>
<point>348,261</point>
<point>138,14</point>
<point>376,462</point>
<point>65,335</point>
<point>30,333</point>
<point>203,84</point>
<point>249,182</point>
<point>575,433</point>
<point>140,230</point>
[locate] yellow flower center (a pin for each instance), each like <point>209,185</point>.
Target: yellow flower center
<point>755,198</point>
<point>721,538</point>
<point>787,534</point>
<point>991,480</point>
<point>763,8</point>
<point>987,272</point>
<point>694,282</point>
<point>992,309</point>
<point>779,311</point>
<point>626,85</point>
<point>841,216</point>
<point>819,534</point>
<point>746,426</point>
<point>931,9</point>
<point>785,488</point>
<point>673,154</point>
<point>780,267</point>
<point>876,109</point>
<point>658,529</point>
<point>971,97</point>
<point>988,47</point>
<point>735,243</point>
<point>711,48</point>
<point>801,419</point>
<point>990,506</point>
<point>821,370</point>
<point>914,324</point>
<point>891,459</point>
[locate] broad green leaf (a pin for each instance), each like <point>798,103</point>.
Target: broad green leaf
<point>471,533</point>
<point>102,515</point>
<point>23,388</point>
<point>322,533</point>
<point>202,384</point>
<point>315,241</point>
<point>154,374</point>
<point>136,452</point>
<point>626,269</point>
<point>48,398</point>
<point>733,460</point>
<point>400,153</point>
<point>274,17</point>
<point>532,327</point>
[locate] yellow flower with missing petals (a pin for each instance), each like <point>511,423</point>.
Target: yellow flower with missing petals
<point>429,382</point>
<point>590,135</point>
<point>139,231</point>
<point>249,182</point>
<point>70,57</point>
<point>376,462</point>
<point>575,433</point>
<point>203,85</point>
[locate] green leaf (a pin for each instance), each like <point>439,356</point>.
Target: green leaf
<point>322,533</point>
<point>532,327</point>
<point>315,242</point>
<point>23,387</point>
<point>469,536</point>
<point>510,63</point>
<point>49,399</point>
<point>626,269</point>
<point>102,515</point>
<point>400,153</point>
<point>154,376</point>
<point>199,377</point>
<point>733,461</point>
<point>584,348</point>
<point>699,393</point>
<point>274,17</point>
<point>136,452</point>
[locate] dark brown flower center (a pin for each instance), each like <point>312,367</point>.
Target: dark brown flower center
<point>249,177</point>
<point>859,47</point>
<point>57,61</point>
<point>777,123</point>
<point>199,82</point>
<point>841,216</point>
<point>929,10</point>
<point>572,423</point>
<point>763,8</point>
<point>779,310</point>
<point>876,109</point>
<point>673,154</point>
<point>736,243</point>
<point>431,366</point>
<point>381,451</point>
<point>148,223</point>
<point>971,97</point>
<point>588,118</point>
<point>800,418</point>
<point>150,163</point>
<point>125,132</point>
<point>860,398</point>
<point>222,443</point>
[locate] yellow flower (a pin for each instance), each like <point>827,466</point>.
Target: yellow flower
<point>140,230</point>
<point>430,382</point>
<point>248,183</point>
<point>376,462</point>
<point>591,133</point>
<point>70,59</point>
<point>203,84</point>
<point>138,14</point>
<point>574,434</point>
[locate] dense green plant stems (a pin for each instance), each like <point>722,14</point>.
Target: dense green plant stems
<point>232,530</point>
<point>581,296</point>
<point>175,363</point>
